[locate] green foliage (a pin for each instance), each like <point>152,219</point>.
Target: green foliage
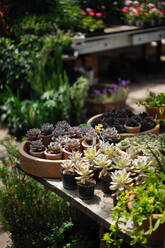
<point>150,199</point>
<point>33,24</point>
<point>153,100</point>
<point>78,93</point>
<point>90,23</point>
<point>34,216</point>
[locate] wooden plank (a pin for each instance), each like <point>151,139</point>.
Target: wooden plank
<point>142,38</point>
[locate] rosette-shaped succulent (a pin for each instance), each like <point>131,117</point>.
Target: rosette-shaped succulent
<point>54,148</point>
<point>33,134</point>
<point>109,150</point>
<point>121,162</point>
<point>121,180</point>
<point>37,146</point>
<point>47,129</point>
<point>102,162</point>
<point>61,129</point>
<point>72,145</point>
<point>111,135</point>
<point>90,154</point>
<point>67,165</point>
<point>86,174</point>
<point>75,132</point>
<point>75,157</point>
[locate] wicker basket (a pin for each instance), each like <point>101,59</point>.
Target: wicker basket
<point>95,107</point>
<point>154,130</point>
<point>38,167</point>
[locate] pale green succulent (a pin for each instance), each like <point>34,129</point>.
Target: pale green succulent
<point>90,154</point>
<point>67,165</point>
<point>120,180</point>
<point>86,174</point>
<point>122,162</point>
<point>109,150</point>
<point>102,162</point>
<point>75,156</point>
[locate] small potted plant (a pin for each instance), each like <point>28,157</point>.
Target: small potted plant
<point>103,163</point>
<point>90,139</point>
<point>46,133</point>
<point>68,175</point>
<point>54,151</point>
<point>85,181</point>
<point>32,134</point>
<point>37,149</point>
<point>154,104</point>
<point>71,145</point>
<point>110,135</point>
<point>132,126</point>
<point>61,129</point>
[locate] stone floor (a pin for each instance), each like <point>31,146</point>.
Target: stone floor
<point>138,91</point>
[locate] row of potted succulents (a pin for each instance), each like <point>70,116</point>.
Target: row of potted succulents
<point>124,120</point>
<point>58,142</point>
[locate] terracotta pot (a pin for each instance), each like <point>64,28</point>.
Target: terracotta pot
<point>132,129</point>
<point>66,154</point>
<point>86,146</point>
<point>46,139</point>
<point>54,156</point>
<point>156,238</point>
<point>37,154</point>
<point>155,112</point>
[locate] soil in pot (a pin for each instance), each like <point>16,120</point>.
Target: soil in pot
<point>86,191</point>
<point>68,179</point>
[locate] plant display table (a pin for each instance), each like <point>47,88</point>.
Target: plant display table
<point>99,208</point>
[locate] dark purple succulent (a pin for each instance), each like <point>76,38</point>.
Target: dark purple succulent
<point>62,128</point>
<point>33,134</point>
<point>147,123</point>
<point>75,132</point>
<point>37,146</point>
<point>132,123</point>
<point>47,129</point>
<point>72,145</point>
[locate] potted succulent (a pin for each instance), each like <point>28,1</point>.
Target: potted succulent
<point>37,149</point>
<point>110,135</point>
<point>68,175</point>
<point>54,151</point>
<point>46,133</point>
<point>90,139</point>
<point>85,181</point>
<point>132,126</point>
<point>154,104</point>
<point>103,163</point>
<point>61,129</point>
<point>71,145</point>
<point>32,134</point>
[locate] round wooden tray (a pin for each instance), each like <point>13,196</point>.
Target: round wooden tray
<point>154,130</point>
<point>38,167</point>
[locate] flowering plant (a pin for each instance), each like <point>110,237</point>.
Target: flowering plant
<point>92,19</point>
<point>109,94</point>
<point>134,10</point>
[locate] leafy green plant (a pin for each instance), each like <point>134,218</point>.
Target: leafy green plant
<point>153,100</point>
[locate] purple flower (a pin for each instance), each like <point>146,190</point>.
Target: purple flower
<point>123,83</point>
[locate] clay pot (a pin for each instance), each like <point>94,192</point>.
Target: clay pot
<point>46,139</point>
<point>132,129</point>
<point>53,156</point>
<point>155,112</point>
<point>86,146</point>
<point>37,154</point>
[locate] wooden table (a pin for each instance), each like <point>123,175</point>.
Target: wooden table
<point>99,208</point>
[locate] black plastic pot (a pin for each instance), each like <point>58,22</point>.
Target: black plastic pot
<point>68,180</point>
<point>86,191</point>
<point>105,183</point>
